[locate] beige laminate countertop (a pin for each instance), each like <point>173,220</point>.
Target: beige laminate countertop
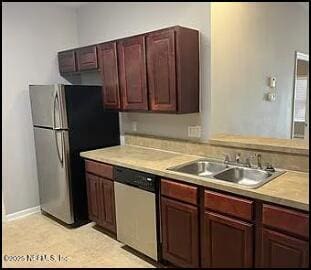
<point>292,146</point>
<point>289,189</point>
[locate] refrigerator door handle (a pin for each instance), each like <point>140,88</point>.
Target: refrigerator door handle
<point>55,129</point>
<point>59,151</point>
<point>54,107</point>
<point>63,148</point>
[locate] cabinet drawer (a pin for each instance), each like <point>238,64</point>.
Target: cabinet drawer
<point>87,58</point>
<point>226,204</point>
<point>182,192</point>
<point>286,220</point>
<point>100,169</point>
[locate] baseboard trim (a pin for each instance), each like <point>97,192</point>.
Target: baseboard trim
<point>122,140</point>
<point>23,213</point>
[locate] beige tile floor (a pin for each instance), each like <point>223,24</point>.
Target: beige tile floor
<point>80,247</point>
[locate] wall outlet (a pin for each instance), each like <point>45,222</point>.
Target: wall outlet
<point>270,96</point>
<point>134,126</point>
<point>194,131</point>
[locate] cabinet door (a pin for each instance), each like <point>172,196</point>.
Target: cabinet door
<point>180,233</point>
<point>280,250</point>
<point>107,205</point>
<point>109,72</point>
<point>226,242</point>
<point>161,70</point>
<point>92,186</point>
<point>132,76</point>
<point>87,58</point>
<point>67,62</point>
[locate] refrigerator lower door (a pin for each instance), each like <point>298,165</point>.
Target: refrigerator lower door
<point>52,152</point>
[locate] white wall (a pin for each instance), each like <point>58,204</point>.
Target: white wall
<point>98,22</point>
<point>250,42</point>
<point>32,33</point>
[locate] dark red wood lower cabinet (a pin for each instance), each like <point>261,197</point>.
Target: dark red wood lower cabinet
<point>107,205</point>
<point>92,196</point>
<point>280,250</point>
<point>226,242</point>
<point>180,233</point>
<point>101,203</point>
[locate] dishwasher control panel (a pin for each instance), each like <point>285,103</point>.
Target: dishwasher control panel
<point>135,178</point>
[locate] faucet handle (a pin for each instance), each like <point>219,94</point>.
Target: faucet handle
<point>259,164</point>
<point>269,168</point>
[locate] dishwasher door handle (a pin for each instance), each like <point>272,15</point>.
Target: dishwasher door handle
<point>127,184</point>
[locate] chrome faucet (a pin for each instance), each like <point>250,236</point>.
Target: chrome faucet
<point>237,161</point>
<point>227,159</point>
<point>237,158</point>
<point>248,162</point>
<point>259,165</point>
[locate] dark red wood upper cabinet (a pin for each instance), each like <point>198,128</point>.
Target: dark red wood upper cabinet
<point>87,58</point>
<point>173,70</point>
<point>180,233</point>
<point>226,242</point>
<point>156,71</point>
<point>109,71</point>
<point>162,70</point>
<point>67,62</point>
<point>283,251</point>
<point>132,73</point>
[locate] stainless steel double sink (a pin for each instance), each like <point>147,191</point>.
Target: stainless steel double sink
<point>244,176</point>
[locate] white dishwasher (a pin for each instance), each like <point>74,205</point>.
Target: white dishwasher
<point>136,212</point>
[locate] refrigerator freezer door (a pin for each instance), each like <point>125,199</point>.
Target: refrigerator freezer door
<point>52,152</point>
<point>48,106</point>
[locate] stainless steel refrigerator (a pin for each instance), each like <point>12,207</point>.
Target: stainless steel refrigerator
<point>68,119</point>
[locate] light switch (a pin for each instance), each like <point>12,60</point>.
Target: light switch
<point>272,82</point>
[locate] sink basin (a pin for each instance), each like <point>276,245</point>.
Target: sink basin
<point>201,168</point>
<point>243,176</point>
